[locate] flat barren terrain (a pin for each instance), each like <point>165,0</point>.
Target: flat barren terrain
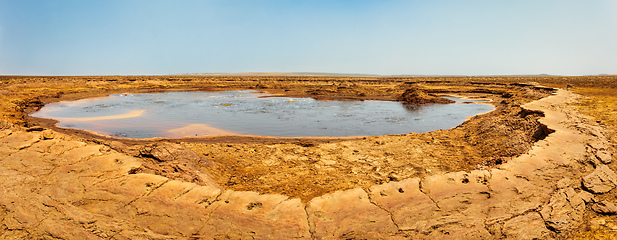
<point>538,166</point>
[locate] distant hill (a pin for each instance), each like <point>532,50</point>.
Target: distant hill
<point>283,74</point>
<point>349,74</point>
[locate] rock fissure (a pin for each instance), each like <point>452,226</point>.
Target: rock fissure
<point>94,183</point>
<point>52,170</point>
<point>380,207</point>
<point>184,192</point>
<point>150,191</point>
<point>131,201</point>
<point>115,233</point>
<point>196,234</point>
<point>311,225</point>
<point>147,193</point>
<point>51,206</point>
<point>217,199</point>
<point>420,187</point>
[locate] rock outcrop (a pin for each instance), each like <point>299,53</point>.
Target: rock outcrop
<point>601,180</point>
<point>414,95</point>
<point>605,207</point>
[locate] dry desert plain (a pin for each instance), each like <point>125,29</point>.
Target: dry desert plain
<point>539,166</point>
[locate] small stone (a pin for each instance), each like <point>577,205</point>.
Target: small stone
<point>605,207</point>
<point>394,177</point>
<point>604,156</point>
<point>47,134</point>
<point>105,149</point>
<point>601,180</point>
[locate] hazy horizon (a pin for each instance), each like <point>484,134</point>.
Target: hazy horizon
<point>417,38</point>
<point>311,74</point>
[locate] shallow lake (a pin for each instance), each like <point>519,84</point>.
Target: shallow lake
<point>190,114</point>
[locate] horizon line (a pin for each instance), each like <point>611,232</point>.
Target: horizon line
<point>314,74</point>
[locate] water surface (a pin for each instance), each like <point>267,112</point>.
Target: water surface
<point>190,114</point>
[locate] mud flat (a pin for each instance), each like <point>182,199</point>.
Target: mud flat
<point>544,170</point>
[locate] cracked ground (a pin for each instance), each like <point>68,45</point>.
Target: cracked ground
<point>458,183</point>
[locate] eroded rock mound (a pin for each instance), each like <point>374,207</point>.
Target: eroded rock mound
<point>414,95</point>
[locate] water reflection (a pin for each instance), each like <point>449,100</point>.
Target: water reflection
<point>186,114</point>
<point>413,107</point>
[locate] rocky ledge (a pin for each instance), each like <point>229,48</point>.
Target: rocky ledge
<point>54,186</point>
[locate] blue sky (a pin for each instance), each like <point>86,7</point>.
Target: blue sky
<point>125,37</point>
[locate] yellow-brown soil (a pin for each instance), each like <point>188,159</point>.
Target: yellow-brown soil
<point>601,104</point>
<point>307,168</point>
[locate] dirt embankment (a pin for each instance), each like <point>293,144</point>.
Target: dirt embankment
<point>311,167</point>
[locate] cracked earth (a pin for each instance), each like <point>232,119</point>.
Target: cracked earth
<point>59,186</point>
